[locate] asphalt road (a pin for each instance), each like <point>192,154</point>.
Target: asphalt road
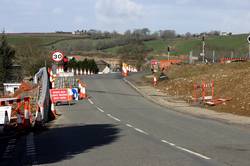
<point>116,126</point>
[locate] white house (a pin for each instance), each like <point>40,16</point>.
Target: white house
<point>11,87</point>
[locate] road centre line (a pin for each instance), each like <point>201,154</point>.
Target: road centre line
<point>186,150</point>
<point>100,109</point>
<point>171,144</point>
<point>91,102</point>
<point>141,131</point>
<point>164,141</point>
<point>114,118</point>
<point>129,125</point>
<point>194,153</point>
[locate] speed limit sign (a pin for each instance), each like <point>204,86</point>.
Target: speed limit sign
<point>248,39</point>
<point>57,56</point>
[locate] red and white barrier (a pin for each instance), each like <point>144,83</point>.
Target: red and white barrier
<point>23,118</point>
<point>204,91</point>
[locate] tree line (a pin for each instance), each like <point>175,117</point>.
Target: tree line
<point>144,34</point>
<point>7,55</point>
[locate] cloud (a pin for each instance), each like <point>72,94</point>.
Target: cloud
<point>117,11</point>
<point>57,11</point>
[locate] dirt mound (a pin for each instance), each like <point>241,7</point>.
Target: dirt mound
<point>230,80</point>
<point>25,87</point>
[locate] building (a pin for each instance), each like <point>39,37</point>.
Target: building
<point>103,67</point>
<point>13,80</point>
<point>10,88</point>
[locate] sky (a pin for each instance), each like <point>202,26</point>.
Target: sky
<point>183,16</point>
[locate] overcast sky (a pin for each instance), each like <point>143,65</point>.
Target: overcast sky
<point>181,15</point>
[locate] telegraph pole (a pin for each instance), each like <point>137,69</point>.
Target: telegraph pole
<point>213,56</point>
<point>203,48</point>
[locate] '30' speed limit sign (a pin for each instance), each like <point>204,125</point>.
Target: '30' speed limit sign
<point>57,56</point>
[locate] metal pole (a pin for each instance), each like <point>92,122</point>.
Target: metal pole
<point>249,51</point>
<point>168,55</point>
<point>213,56</point>
<point>203,51</point>
<point>191,57</point>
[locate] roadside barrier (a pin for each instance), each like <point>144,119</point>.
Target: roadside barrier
<point>229,60</point>
<point>202,91</point>
<point>23,118</point>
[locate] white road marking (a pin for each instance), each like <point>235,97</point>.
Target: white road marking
<point>171,144</point>
<point>91,102</point>
<point>114,118</point>
<point>100,109</point>
<point>30,148</point>
<point>186,150</point>
<point>9,149</point>
<point>129,125</point>
<point>194,153</point>
<point>141,131</point>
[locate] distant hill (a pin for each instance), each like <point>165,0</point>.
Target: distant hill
<point>235,45</point>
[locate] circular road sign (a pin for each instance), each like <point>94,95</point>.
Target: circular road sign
<point>57,56</point>
<point>248,39</point>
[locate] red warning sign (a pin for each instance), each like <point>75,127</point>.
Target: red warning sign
<point>61,95</point>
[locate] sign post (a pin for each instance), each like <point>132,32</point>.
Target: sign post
<point>168,52</point>
<point>248,39</point>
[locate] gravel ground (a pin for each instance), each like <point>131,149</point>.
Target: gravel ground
<point>175,104</point>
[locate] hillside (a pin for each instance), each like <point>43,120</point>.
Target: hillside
<point>231,82</point>
<point>226,46</point>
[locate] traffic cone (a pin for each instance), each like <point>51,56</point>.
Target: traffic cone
<point>83,93</point>
<point>39,118</point>
<point>19,119</point>
<point>125,73</point>
<point>26,116</point>
<point>53,110</point>
<point>6,121</point>
<point>154,81</point>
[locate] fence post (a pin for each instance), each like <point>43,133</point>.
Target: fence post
<point>203,90</point>
<point>212,89</point>
<point>195,93</point>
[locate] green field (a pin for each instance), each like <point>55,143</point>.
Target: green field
<point>222,45</point>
